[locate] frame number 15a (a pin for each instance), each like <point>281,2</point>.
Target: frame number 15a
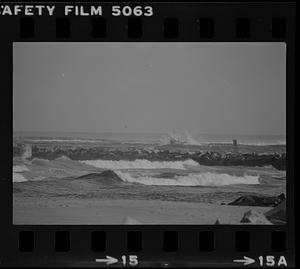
<point>271,261</point>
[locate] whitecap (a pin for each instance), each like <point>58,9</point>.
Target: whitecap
<point>201,179</point>
<point>18,177</point>
<point>20,168</point>
<point>141,164</point>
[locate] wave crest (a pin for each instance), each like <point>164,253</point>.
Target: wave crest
<point>140,164</point>
<point>18,178</point>
<point>17,169</point>
<point>203,179</point>
<point>20,168</point>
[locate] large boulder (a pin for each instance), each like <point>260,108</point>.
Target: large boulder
<point>255,217</point>
<point>217,222</point>
<point>277,215</point>
<point>252,200</point>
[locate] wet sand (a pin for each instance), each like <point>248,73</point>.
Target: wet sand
<point>43,211</point>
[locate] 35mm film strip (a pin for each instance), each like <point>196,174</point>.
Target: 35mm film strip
<point>149,134</point>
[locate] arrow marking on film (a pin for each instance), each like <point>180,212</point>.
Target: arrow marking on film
<point>246,260</point>
<point>108,260</point>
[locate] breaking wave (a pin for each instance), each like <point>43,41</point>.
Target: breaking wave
<point>18,178</point>
<point>140,164</point>
<point>203,179</point>
<point>17,169</point>
<point>20,168</point>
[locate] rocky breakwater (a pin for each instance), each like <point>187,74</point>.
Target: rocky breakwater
<point>277,160</point>
<point>277,215</point>
<point>253,200</point>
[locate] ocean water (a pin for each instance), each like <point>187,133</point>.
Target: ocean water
<point>149,138</point>
<point>119,175</point>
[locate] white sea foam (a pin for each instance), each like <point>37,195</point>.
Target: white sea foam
<point>202,179</point>
<point>20,168</point>
<point>18,177</point>
<point>141,164</point>
<point>17,170</point>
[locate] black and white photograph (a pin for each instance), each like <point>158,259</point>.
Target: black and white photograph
<point>149,133</point>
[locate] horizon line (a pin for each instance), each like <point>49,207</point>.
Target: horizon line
<point>176,131</point>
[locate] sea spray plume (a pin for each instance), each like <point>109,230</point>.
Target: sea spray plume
<point>176,138</point>
<point>190,140</point>
<point>27,153</point>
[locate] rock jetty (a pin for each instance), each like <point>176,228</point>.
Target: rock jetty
<point>211,158</point>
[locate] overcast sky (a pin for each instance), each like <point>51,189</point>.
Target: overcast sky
<point>216,88</point>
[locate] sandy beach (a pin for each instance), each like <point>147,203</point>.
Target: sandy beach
<point>70,211</point>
